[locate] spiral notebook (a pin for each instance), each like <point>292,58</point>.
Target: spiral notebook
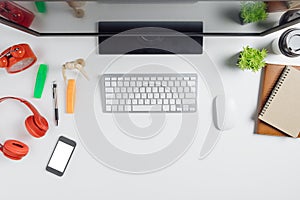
<point>282,109</point>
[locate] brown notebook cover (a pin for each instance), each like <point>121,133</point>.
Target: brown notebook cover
<point>271,74</point>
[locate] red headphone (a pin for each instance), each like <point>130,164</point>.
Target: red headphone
<point>35,124</point>
<point>17,58</point>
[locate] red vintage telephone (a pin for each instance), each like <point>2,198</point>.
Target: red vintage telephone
<point>16,13</point>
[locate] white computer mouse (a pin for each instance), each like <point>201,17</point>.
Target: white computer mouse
<point>225,112</point>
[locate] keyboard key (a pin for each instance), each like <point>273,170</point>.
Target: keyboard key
<point>193,109</point>
<point>173,108</point>
<point>129,89</point>
<point>137,95</point>
<point>191,83</point>
<point>109,90</point>
<point>125,96</point>
<point>119,96</point>
<point>131,95</point>
<point>190,95</point>
<point>193,89</point>
<point>120,83</point>
<point>140,101</point>
<point>153,101</point>
<point>114,108</point>
<point>185,107</point>
<point>188,101</point>
<point>127,108</point>
<point>134,101</point>
<point>117,89</point>
<point>123,90</point>
<point>110,96</point>
<point>108,108</point>
<point>132,84</point>
<point>114,84</point>
<point>178,101</point>
<point>147,108</point>
<point>151,83</point>
<point>166,107</point>
<point>121,108</point>
<point>122,101</point>
<point>142,90</point>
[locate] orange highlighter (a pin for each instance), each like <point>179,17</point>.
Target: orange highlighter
<point>71,90</point>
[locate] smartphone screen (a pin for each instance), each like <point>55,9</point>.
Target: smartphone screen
<point>61,156</point>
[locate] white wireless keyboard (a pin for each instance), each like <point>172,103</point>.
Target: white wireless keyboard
<point>149,92</point>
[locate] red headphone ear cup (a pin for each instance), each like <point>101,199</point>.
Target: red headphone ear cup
<point>3,62</point>
<point>17,51</point>
<point>14,149</point>
<point>34,129</point>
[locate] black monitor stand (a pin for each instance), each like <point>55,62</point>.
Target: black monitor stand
<point>150,37</point>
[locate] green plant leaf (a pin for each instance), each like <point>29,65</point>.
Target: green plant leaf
<point>252,59</point>
<point>254,11</point>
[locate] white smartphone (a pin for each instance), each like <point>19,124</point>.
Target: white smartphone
<point>61,156</point>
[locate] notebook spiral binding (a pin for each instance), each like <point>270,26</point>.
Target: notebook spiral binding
<point>275,90</point>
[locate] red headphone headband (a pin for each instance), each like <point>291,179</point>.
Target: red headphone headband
<point>35,112</point>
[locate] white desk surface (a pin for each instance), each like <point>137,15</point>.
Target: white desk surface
<point>243,165</point>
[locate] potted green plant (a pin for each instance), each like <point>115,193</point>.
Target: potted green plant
<point>252,59</point>
<point>253,12</point>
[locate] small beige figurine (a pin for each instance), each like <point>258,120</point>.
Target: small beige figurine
<point>77,64</point>
<point>76,6</point>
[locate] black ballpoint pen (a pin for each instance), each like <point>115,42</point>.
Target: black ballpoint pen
<point>54,92</point>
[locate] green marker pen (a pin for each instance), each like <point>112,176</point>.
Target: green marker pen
<point>40,80</point>
<point>40,6</point>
